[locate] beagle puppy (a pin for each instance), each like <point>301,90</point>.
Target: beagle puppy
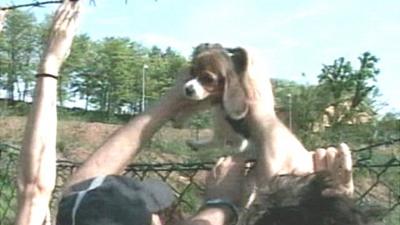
<point>246,101</point>
<point>202,85</point>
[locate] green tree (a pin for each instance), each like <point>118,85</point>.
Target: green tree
<point>18,54</point>
<point>116,70</point>
<point>78,71</point>
<point>163,68</point>
<point>388,127</point>
<point>108,74</point>
<point>350,89</point>
<point>326,113</point>
<point>301,106</point>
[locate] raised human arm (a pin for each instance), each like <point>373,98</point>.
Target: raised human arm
<point>123,145</point>
<point>37,164</point>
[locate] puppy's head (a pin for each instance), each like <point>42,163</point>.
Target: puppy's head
<point>218,72</point>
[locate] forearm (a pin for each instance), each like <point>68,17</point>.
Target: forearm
<point>126,142</point>
<point>38,150</point>
<point>38,157</point>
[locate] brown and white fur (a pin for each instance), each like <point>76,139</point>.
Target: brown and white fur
<point>246,97</point>
<point>199,88</point>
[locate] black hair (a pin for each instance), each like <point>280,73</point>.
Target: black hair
<point>299,200</point>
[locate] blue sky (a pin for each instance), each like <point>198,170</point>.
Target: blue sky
<point>294,37</point>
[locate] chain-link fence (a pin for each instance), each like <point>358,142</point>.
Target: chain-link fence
<point>377,180</point>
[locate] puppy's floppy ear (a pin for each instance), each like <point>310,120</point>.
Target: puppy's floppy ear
<point>234,98</point>
<point>240,59</point>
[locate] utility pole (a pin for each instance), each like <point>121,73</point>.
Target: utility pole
<point>145,66</point>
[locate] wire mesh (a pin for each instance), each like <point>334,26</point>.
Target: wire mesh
<point>376,173</point>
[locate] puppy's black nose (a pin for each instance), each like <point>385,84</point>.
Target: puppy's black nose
<point>189,90</point>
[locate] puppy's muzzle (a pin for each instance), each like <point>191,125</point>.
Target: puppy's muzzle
<point>189,90</point>
<point>194,90</point>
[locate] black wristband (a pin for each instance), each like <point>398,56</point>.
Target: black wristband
<point>226,204</point>
<point>46,75</point>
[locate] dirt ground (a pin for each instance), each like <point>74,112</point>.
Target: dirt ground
<point>76,140</point>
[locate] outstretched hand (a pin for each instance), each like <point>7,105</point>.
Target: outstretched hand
<point>64,26</point>
<point>339,163</point>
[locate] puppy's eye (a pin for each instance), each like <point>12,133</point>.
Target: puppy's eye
<point>208,79</point>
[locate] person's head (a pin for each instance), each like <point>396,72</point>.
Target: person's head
<point>299,200</point>
<point>114,200</point>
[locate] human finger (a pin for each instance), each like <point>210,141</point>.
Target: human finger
<point>331,154</point>
<point>71,17</point>
<point>346,167</point>
<point>60,13</point>
<point>344,150</point>
<point>319,159</point>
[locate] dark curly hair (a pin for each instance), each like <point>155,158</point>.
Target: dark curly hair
<point>298,200</point>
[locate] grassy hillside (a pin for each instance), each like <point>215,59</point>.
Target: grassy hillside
<point>76,140</point>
